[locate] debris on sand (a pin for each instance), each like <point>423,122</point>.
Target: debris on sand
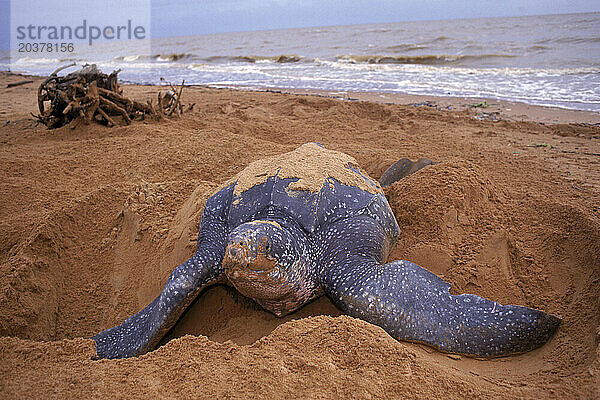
<point>88,95</point>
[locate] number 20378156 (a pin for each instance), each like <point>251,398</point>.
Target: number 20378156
<point>45,47</point>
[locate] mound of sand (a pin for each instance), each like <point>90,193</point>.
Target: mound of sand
<point>93,220</point>
<point>311,164</point>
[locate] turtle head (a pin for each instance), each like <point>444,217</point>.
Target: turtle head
<point>265,260</point>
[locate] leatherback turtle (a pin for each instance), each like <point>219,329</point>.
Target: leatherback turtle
<point>290,228</point>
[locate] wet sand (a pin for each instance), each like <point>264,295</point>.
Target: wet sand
<point>93,220</point>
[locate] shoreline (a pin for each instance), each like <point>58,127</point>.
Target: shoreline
<point>481,108</point>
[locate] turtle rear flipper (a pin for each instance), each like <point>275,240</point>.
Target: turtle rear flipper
<point>141,332</point>
<point>413,304</point>
<point>403,168</point>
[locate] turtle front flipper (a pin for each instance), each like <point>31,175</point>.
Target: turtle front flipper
<point>141,332</point>
<point>413,304</point>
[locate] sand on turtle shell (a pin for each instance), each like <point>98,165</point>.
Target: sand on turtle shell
<point>93,221</point>
<point>311,164</point>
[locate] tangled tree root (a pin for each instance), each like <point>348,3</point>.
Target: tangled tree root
<point>89,95</point>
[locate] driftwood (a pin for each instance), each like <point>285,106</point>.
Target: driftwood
<point>15,84</point>
<point>89,95</point>
<point>170,102</point>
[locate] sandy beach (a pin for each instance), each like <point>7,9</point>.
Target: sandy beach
<point>93,220</point>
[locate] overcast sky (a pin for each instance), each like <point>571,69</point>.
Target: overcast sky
<point>213,16</point>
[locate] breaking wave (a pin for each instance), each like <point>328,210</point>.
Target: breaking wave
<point>156,57</point>
<point>280,59</point>
<point>216,59</point>
<point>431,59</point>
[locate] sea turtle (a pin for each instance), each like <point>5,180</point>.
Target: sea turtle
<point>290,228</point>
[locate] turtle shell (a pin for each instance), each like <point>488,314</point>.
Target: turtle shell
<point>339,190</point>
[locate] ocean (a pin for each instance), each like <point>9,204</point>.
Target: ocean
<point>545,60</point>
